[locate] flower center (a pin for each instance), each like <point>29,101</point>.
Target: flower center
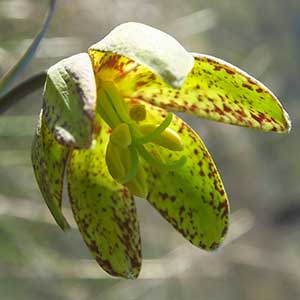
<point>128,139</point>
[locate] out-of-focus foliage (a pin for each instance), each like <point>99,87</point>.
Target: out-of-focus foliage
<point>260,170</point>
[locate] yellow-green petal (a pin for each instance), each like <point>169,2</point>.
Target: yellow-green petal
<point>215,90</point>
<point>70,100</point>
<point>191,198</point>
<point>48,160</point>
<point>147,46</point>
<point>104,210</point>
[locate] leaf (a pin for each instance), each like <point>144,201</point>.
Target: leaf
<point>191,198</point>
<point>104,210</point>
<point>139,43</point>
<point>70,101</point>
<point>215,90</point>
<point>49,160</point>
<point>8,79</point>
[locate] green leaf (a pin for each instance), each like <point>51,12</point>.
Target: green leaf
<point>104,210</point>
<point>215,90</point>
<point>8,79</point>
<point>70,101</point>
<point>147,46</point>
<point>191,198</point>
<point>49,160</point>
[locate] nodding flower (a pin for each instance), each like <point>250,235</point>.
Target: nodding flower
<point>107,123</point>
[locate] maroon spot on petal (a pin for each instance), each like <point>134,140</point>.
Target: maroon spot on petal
<point>251,81</point>
<point>226,108</point>
<point>230,72</point>
<point>140,83</point>
<point>259,119</point>
<point>214,246</point>
<point>164,196</point>
<point>274,120</point>
<point>247,86</point>
<point>181,210</point>
<point>216,68</point>
<point>112,62</point>
<point>224,231</point>
<point>218,110</point>
<point>241,113</point>
<point>193,107</point>
<point>223,205</point>
<point>152,77</point>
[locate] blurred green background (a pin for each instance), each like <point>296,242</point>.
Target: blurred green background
<point>261,258</point>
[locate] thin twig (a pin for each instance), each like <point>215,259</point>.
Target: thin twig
<point>9,78</point>
<point>20,91</point>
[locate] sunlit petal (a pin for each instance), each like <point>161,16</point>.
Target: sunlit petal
<point>214,90</point>
<point>192,198</point>
<point>70,101</point>
<point>147,46</point>
<point>104,210</point>
<point>49,160</point>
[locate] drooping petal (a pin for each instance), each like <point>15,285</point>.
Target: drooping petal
<point>214,89</point>
<point>48,160</point>
<point>191,198</point>
<point>104,210</point>
<point>70,100</point>
<point>147,46</point>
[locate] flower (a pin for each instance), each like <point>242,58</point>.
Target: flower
<point>105,120</point>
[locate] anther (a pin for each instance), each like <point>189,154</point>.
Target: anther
<point>121,136</point>
<point>168,138</point>
<point>138,112</point>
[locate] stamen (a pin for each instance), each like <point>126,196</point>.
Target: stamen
<point>168,139</point>
<point>138,112</point>
<point>115,161</point>
<point>121,136</point>
<point>133,167</point>
<point>106,110</point>
<point>159,164</point>
<point>116,101</point>
<point>156,132</point>
<point>138,186</point>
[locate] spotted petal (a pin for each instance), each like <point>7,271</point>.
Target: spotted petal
<point>70,101</point>
<point>104,211</point>
<point>214,89</point>
<point>49,159</point>
<point>147,46</point>
<point>191,198</point>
